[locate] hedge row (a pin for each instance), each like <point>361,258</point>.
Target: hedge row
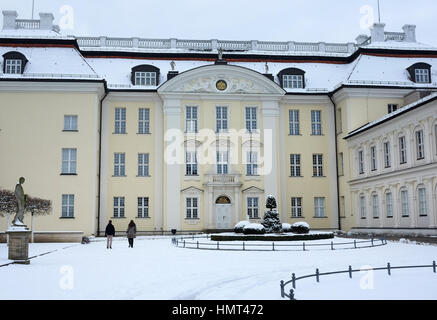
<point>298,237</point>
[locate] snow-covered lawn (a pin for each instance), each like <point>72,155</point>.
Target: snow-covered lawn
<point>155,269</point>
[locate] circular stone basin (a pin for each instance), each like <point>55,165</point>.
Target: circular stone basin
<point>232,236</point>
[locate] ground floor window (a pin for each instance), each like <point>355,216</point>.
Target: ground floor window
<point>422,202</point>
<point>404,203</point>
<point>253,208</point>
<point>296,207</point>
<point>319,207</point>
<point>363,207</point>
<point>375,206</point>
<point>389,204</point>
<point>143,207</point>
<point>192,208</point>
<point>68,205</point>
<point>118,207</point>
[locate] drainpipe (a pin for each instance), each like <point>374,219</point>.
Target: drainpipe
<point>336,161</point>
<point>100,160</point>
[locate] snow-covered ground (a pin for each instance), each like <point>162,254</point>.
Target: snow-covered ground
<point>155,269</point>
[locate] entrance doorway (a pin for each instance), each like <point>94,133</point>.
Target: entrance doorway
<point>223,212</point>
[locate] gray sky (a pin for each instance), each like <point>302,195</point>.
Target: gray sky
<point>277,20</point>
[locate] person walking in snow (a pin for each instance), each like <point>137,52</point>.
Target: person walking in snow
<point>109,233</point>
<point>131,233</point>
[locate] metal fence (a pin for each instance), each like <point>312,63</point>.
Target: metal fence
<point>350,271</point>
<point>192,242</point>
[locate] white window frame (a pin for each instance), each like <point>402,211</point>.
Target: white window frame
<point>222,162</point>
<point>191,166</point>
<point>403,150</point>
<point>192,208</point>
<point>253,207</point>
<point>119,207</point>
<point>143,164</point>
<point>373,160</point>
<point>360,161</point>
<point>69,160</point>
<point>421,199</point>
<point>292,81</point>
<point>405,206</point>
<point>143,120</point>
<point>143,207</point>
<point>293,121</point>
<point>120,121</point>
<point>252,163</point>
<point>387,154</point>
<point>392,107</point>
<point>389,204</point>
<point>319,207</point>
<point>375,206</point>
<point>67,206</point>
<point>295,165</point>
<point>317,165</point>
<point>316,122</point>
<point>420,145</point>
<point>119,164</point>
<point>70,122</point>
<point>296,207</point>
<point>421,75</point>
<point>251,119</point>
<point>222,114</point>
<point>145,78</point>
<point>191,119</point>
<point>363,213</point>
<point>13,66</point>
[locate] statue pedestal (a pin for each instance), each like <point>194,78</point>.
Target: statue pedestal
<point>19,244</point>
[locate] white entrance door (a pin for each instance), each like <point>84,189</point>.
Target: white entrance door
<point>223,216</point>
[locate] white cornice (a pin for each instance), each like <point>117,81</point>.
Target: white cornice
<point>395,93</point>
<point>133,96</point>
<point>305,99</point>
<point>36,86</point>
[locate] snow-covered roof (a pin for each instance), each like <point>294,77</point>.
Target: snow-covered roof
<point>390,116</point>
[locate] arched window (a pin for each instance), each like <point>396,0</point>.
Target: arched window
<point>145,75</point>
<point>420,72</point>
<point>223,200</point>
<point>14,62</point>
<point>292,78</point>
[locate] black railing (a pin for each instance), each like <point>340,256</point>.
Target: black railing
<point>350,271</point>
<point>190,243</point>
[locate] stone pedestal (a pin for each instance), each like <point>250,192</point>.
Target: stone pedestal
<point>19,244</point>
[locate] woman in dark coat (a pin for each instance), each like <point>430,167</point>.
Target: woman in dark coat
<point>109,233</point>
<point>131,233</point>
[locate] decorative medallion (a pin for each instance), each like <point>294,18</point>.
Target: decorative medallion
<point>221,85</point>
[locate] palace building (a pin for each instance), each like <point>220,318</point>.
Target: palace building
<point>193,135</point>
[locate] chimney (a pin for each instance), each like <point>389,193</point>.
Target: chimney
<point>377,32</point>
<point>46,21</point>
<point>410,32</point>
<point>361,39</point>
<point>9,19</point>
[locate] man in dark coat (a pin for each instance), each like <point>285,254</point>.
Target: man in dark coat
<point>109,233</point>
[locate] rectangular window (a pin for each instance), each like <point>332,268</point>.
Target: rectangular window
<point>191,119</point>
<point>143,207</point>
<point>319,207</point>
<point>144,120</point>
<point>340,164</point>
<point>251,124</point>
<point>318,165</point>
<point>361,162</point>
<point>389,204</point>
<point>392,108</point>
<point>67,205</point>
<point>143,164</point>
<point>373,158</point>
<point>118,207</point>
<point>145,78</point>
<point>435,137</point>
<point>293,118</point>
<point>70,123</point>
<point>295,170</point>
<point>192,208</point>
<point>69,157</point>
<point>363,207</point>
<point>292,81</point>
<point>120,120</point>
<point>253,208</point>
<point>402,150</point>
<point>422,75</point>
<point>420,146</point>
<point>375,206</point>
<point>404,203</point>
<point>423,210</point>
<point>221,119</point>
<point>191,163</point>
<point>296,207</point>
<point>119,164</point>
<point>222,162</point>
<point>387,156</point>
<point>13,66</point>
<point>316,122</point>
<point>252,163</point>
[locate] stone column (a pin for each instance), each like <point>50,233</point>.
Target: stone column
<point>172,188</point>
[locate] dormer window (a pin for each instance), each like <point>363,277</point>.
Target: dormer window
<point>292,78</point>
<point>145,75</point>
<point>14,63</point>
<point>420,72</point>
<point>145,78</point>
